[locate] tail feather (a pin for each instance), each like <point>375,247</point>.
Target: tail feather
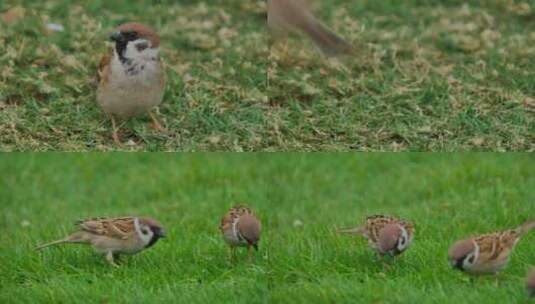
<point>52,244</point>
<point>329,43</point>
<point>354,231</point>
<point>73,238</point>
<point>527,226</point>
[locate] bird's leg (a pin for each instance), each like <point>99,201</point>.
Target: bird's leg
<point>231,254</point>
<point>156,124</point>
<point>110,259</point>
<point>250,252</point>
<point>117,258</point>
<point>386,266</point>
<point>387,260</point>
<point>114,130</point>
<point>472,280</point>
<point>496,282</point>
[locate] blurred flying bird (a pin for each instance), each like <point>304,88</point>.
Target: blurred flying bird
<point>295,16</point>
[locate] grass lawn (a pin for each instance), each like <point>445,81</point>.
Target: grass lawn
<point>300,199</point>
<point>427,76</point>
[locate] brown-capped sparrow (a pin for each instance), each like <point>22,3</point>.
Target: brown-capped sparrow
<point>114,236</point>
<point>241,227</point>
<point>386,234</point>
<point>294,16</point>
<point>131,77</point>
<point>531,284</point>
<point>487,253</point>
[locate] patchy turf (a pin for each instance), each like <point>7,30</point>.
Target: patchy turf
<point>427,76</point>
<point>300,199</point>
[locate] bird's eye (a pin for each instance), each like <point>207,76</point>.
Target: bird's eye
<point>141,46</point>
<point>144,231</point>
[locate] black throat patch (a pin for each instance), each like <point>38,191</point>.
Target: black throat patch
<point>459,264</point>
<point>156,235</point>
<point>122,42</point>
<point>153,240</point>
<point>120,47</point>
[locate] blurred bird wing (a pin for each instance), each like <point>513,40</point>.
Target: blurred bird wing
<point>104,67</point>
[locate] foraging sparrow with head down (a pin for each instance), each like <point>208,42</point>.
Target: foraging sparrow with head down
<point>531,284</point>
<point>387,235</point>
<point>241,227</point>
<point>487,253</point>
<point>115,236</point>
<point>294,16</point>
<point>131,77</point>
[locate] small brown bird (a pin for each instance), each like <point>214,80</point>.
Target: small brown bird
<point>115,236</point>
<point>241,227</point>
<point>387,235</point>
<point>131,77</point>
<point>487,253</point>
<point>294,16</point>
<point>531,284</point>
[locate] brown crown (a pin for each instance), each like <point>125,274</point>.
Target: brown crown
<point>142,31</point>
<point>461,249</point>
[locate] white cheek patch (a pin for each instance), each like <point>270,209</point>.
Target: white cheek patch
<point>405,236</point>
<point>473,256</point>
<point>133,53</point>
<point>235,227</point>
<point>145,238</point>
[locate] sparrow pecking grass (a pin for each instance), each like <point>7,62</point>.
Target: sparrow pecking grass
<point>387,235</point>
<point>114,236</point>
<point>241,228</point>
<point>487,253</point>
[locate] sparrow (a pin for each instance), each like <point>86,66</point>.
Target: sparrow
<point>385,234</point>
<point>131,79</point>
<point>241,227</point>
<point>531,284</point>
<point>294,16</point>
<point>487,253</point>
<point>114,236</point>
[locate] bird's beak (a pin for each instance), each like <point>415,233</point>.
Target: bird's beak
<point>116,36</point>
<point>161,233</point>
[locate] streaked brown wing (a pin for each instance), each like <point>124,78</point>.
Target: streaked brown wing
<point>111,227</point>
<point>94,225</point>
<point>489,248</point>
<point>121,226</point>
<point>375,224</point>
